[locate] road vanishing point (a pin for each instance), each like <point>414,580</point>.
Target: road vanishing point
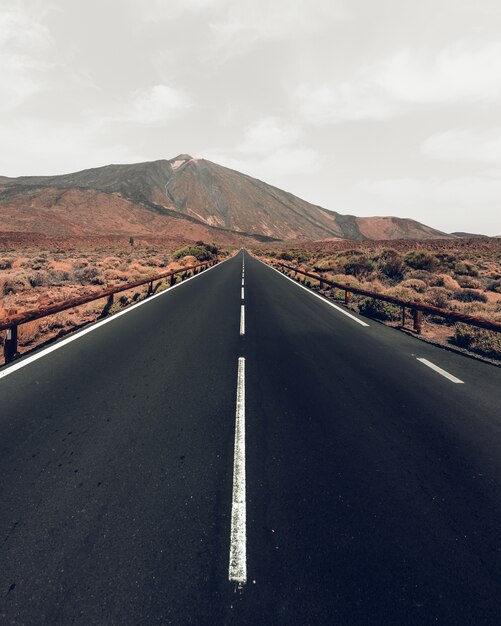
<point>238,450</point>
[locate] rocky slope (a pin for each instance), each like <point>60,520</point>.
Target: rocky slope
<point>181,195</point>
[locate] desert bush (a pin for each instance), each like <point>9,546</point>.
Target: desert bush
<point>111,261</point>
<point>495,286</point>
<point>37,280</point>
<point>474,308</point>
<point>468,282</point>
<point>415,284</point>
<point>379,309</point>
<point>344,279</point>
<point>409,295</point>
<point>373,284</point>
<point>437,296</point>
<point>444,280</point>
<point>113,274</point>
<point>465,269</point>
<point>328,263</point>
<point>58,276</point>
<point>469,295</point>
<point>446,260</point>
<point>421,260</point>
<point>478,340</point>
<point>88,276</point>
<point>427,277</point>
<point>5,264</point>
<point>200,252</point>
<point>391,264</point>
<point>14,285</point>
<point>359,266</point>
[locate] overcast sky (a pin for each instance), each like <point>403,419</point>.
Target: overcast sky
<point>369,107</point>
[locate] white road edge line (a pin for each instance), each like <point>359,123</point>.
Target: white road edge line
<point>242,320</point>
<point>335,306</point>
<point>445,374</point>
<point>237,571</point>
<point>23,361</point>
<point>242,293</point>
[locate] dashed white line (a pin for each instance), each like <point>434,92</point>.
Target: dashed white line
<point>440,371</point>
<point>23,361</point>
<point>242,320</point>
<point>242,282</point>
<point>334,306</point>
<point>237,571</point>
<point>242,294</point>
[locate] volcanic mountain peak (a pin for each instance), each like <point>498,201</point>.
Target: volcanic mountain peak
<point>201,192</point>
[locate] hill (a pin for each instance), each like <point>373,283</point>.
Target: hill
<point>180,196</point>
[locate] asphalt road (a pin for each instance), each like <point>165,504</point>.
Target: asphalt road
<point>363,486</point>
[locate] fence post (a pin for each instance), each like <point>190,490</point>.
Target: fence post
<point>10,346</point>
<point>418,320</point>
<point>150,289</point>
<point>347,297</point>
<point>172,280</point>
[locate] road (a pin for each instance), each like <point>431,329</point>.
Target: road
<point>237,451</point>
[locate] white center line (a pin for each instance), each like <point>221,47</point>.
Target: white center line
<point>445,374</point>
<point>242,282</point>
<point>242,320</point>
<point>238,537</point>
<point>242,293</point>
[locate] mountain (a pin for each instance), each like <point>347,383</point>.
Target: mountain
<point>469,235</point>
<point>181,195</point>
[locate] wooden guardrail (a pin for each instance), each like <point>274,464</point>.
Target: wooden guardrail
<point>417,308</point>
<point>15,319</point>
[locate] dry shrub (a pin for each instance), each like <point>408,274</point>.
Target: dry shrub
<point>469,295</point>
<point>415,284</point>
<point>5,264</point>
<point>115,275</point>
<point>88,276</point>
<point>14,284</point>
<point>465,269</point>
<point>111,261</point>
<point>423,275</point>
<point>374,285</point>
<point>478,340</point>
<point>137,268</point>
<point>468,282</point>
<point>188,260</point>
<point>446,281</point>
<point>379,309</point>
<point>474,308</point>
<point>409,295</point>
<point>64,266</point>
<point>344,279</point>
<point>437,296</point>
<point>56,276</point>
<point>31,331</point>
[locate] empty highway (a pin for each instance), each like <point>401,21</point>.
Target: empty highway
<point>236,450</point>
